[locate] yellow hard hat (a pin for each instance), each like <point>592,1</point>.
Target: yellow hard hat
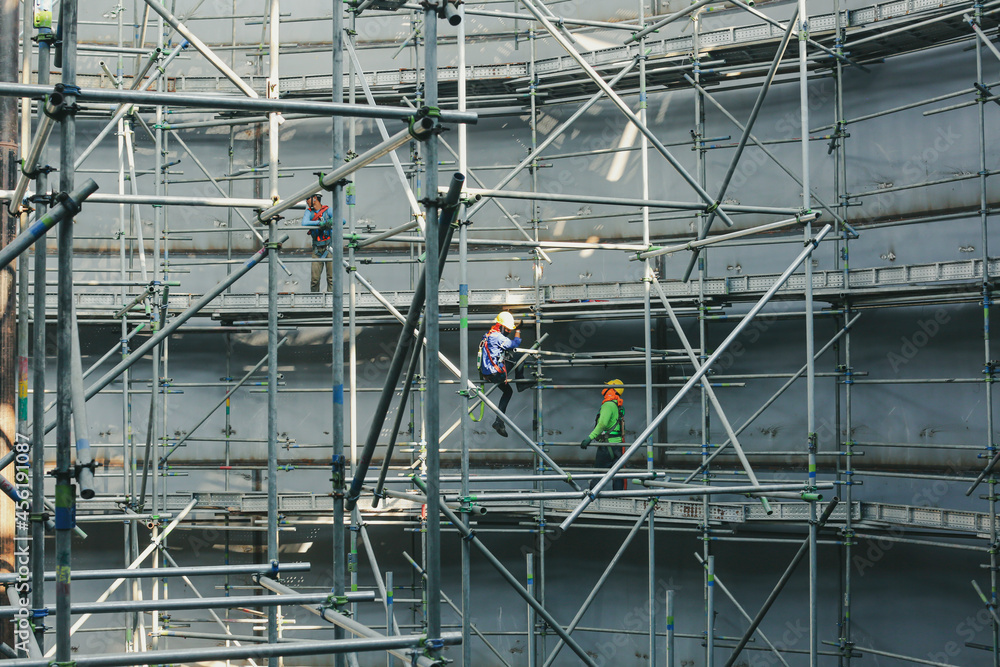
<point>618,385</point>
<point>505,319</point>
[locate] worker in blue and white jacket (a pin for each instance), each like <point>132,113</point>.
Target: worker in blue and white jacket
<point>492,361</point>
<point>320,219</point>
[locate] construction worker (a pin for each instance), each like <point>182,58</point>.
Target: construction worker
<point>492,360</point>
<point>609,428</point>
<point>320,219</point>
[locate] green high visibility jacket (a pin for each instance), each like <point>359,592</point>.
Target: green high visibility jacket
<point>608,420</point>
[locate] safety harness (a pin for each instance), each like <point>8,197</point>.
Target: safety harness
<point>484,355</point>
<point>618,429</point>
<point>321,236</point>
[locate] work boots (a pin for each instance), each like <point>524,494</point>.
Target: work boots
<point>499,427</point>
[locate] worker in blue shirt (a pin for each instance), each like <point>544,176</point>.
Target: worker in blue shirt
<point>320,219</point>
<point>493,351</point>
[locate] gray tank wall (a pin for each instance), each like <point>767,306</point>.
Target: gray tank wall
<point>915,601</point>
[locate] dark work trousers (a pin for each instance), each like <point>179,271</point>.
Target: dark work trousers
<point>506,392</point>
<point>606,456</point>
<point>505,388</point>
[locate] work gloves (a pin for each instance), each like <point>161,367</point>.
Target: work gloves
<point>585,443</point>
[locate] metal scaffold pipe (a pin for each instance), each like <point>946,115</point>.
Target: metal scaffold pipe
<point>202,48</point>
<point>578,616</point>
<point>628,201</point>
<point>65,492</point>
<point>725,237</point>
<point>697,375</point>
<point>29,163</point>
<point>681,490</point>
<point>180,604</point>
<point>449,210</point>
<point>166,200</point>
<point>222,401</point>
<point>627,111</point>
<point>66,208</point>
<point>348,623</point>
<point>478,393</point>
<point>124,109</point>
<point>189,656</point>
<point>174,324</point>
<point>200,571</point>
<point>81,425</point>
<point>421,129</point>
<point>469,534</point>
<point>232,103</point>
<point>799,555</point>
<point>668,20</point>
<point>744,137</point>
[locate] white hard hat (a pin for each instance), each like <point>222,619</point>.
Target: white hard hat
<point>506,320</point>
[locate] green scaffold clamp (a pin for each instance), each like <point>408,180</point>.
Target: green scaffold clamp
<point>429,119</point>
<point>333,186</point>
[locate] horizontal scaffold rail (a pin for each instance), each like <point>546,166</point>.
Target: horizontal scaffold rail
<point>559,77</point>
<point>874,514</point>
<point>826,284</point>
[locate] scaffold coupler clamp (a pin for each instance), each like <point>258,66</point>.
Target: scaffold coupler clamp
<point>803,213</point>
<point>338,463</point>
<point>71,205</point>
<point>425,122</point>
<point>36,172</point>
<point>60,109</point>
<point>333,186</point>
<point>337,603</point>
<point>41,198</point>
<point>92,466</point>
<point>434,644</point>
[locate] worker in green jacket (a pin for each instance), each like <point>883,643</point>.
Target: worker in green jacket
<point>610,428</point>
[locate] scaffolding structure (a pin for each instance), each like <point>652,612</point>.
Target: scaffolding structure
<point>712,488</point>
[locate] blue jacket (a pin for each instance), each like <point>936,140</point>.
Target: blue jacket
<point>493,350</point>
<point>322,220</point>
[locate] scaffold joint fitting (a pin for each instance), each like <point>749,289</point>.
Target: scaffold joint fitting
<point>71,204</point>
<point>335,602</point>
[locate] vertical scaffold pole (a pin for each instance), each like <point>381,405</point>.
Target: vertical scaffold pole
<point>463,347</point>
<point>647,320</point>
<point>45,38</point>
<point>432,274</point>
<point>273,82</point>
<point>699,148</point>
<point>803,34</point>
<point>337,328</point>
<point>65,489</point>
<point>987,301</point>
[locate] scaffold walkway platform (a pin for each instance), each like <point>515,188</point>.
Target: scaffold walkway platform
<point>957,280</point>
<point>870,515</point>
<point>559,78</point>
